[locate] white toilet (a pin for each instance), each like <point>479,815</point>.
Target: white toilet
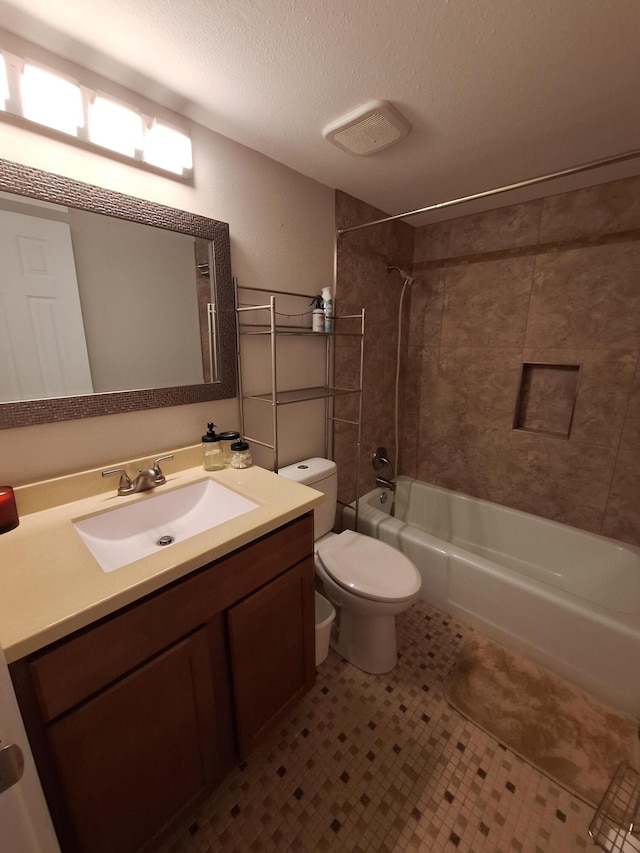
<point>366,580</point>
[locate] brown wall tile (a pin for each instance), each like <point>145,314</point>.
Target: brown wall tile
<point>622,517</point>
<point>363,282</point>
<point>392,242</point>
<point>477,385</point>
<point>468,458</point>
<point>567,481</point>
<point>586,298</point>
<point>432,242</point>
<point>504,228</point>
<point>631,431</point>
<point>469,325</point>
<point>602,209</point>
<point>425,309</point>
<point>486,304</point>
<point>427,394</point>
<point>409,409</point>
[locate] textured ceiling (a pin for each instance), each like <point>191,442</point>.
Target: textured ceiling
<point>497,91</point>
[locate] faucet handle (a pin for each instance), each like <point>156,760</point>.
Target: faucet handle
<point>125,485</point>
<point>160,478</point>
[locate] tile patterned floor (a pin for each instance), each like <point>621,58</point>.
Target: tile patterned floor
<point>383,763</point>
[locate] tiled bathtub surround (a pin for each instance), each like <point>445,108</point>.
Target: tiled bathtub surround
<point>553,281</point>
<point>363,282</point>
<point>383,763</point>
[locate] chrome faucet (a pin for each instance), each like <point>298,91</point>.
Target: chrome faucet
<point>147,479</point>
<point>380,459</point>
<point>387,484</point>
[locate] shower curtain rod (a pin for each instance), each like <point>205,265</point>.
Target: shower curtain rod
<point>574,170</point>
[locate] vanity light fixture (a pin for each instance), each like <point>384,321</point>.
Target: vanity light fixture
<point>50,100</point>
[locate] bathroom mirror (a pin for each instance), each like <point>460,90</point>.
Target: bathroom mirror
<point>147,298</point>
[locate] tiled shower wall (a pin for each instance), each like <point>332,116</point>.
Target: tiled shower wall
<point>363,282</point>
<point>551,281</point>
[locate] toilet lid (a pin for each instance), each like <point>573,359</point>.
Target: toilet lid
<point>368,567</point>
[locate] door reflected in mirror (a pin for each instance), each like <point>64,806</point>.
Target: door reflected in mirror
<point>108,303</point>
<point>93,304</point>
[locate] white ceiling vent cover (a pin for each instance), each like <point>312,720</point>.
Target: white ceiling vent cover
<point>370,128</point>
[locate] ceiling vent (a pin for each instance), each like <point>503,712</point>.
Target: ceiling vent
<point>368,129</point>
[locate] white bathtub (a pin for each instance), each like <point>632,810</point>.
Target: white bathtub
<point>567,598</point>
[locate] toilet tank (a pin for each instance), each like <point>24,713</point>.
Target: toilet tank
<point>320,474</point>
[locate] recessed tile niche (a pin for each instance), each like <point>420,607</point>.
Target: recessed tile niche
<point>546,398</point>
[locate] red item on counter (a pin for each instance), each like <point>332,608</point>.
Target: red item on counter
<point>8,510</point>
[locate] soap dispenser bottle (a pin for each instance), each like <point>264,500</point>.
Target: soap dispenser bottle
<point>211,450</point>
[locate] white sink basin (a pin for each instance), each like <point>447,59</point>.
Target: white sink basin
<point>122,536</point>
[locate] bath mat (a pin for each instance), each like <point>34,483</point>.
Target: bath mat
<point>564,732</point>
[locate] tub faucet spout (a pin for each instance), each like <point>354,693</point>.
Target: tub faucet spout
<point>387,484</point>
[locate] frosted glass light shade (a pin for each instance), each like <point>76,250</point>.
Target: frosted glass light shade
<point>51,100</point>
<point>114,126</point>
<point>167,149</point>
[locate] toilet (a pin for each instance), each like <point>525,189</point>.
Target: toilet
<point>367,581</point>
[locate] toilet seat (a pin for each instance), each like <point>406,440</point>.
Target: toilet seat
<point>368,568</point>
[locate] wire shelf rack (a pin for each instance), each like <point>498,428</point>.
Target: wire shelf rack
<point>615,827</point>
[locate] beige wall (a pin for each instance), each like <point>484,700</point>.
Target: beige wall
<point>282,235</point>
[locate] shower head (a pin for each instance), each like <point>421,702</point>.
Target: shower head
<point>408,279</point>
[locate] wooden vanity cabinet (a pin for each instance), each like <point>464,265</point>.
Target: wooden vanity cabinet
<point>137,717</point>
<point>269,664</point>
<point>131,754</point>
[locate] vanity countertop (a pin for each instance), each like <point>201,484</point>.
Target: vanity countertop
<point>52,585</point>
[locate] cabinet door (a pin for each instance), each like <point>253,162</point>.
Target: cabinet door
<point>272,636</point>
<point>134,755</point>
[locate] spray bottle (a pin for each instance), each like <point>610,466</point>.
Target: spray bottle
<point>327,301</point>
<point>317,322</point>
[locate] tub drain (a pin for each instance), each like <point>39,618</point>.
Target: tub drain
<point>165,540</point>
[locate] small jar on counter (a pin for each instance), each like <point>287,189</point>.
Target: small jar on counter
<point>226,440</point>
<point>241,455</point>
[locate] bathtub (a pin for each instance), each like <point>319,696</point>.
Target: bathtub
<point>566,598</point>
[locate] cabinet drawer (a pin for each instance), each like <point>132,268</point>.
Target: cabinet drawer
<point>83,664</point>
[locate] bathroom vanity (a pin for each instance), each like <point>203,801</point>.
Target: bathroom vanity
<point>136,714</point>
